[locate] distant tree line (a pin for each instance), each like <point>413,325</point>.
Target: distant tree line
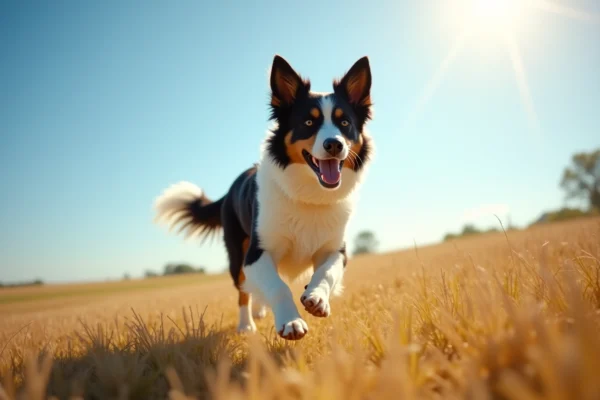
<point>469,230</point>
<point>36,282</point>
<point>580,180</point>
<point>176,269</point>
<point>564,214</point>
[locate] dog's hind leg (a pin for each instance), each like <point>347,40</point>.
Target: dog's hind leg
<point>236,243</point>
<point>246,323</point>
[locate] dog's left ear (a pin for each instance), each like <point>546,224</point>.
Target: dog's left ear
<point>356,84</point>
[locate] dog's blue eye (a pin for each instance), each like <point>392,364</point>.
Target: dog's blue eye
<point>308,122</point>
<point>345,123</point>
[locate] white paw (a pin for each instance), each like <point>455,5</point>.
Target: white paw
<point>288,323</point>
<point>316,302</point>
<point>259,312</point>
<point>293,330</point>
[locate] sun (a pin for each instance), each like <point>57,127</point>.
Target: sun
<point>486,22</point>
<point>491,16</point>
<point>500,11</point>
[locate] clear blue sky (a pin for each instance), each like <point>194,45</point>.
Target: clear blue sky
<point>104,104</point>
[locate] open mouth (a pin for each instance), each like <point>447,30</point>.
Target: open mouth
<point>328,171</point>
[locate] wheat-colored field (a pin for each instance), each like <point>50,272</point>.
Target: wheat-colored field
<point>512,316</point>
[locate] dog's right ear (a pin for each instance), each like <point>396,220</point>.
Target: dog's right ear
<point>286,84</point>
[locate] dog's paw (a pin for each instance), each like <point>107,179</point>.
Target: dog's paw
<point>316,303</point>
<point>293,330</point>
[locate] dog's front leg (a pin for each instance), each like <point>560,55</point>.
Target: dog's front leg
<point>263,280</point>
<point>326,281</point>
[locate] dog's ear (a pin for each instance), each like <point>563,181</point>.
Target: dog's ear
<point>286,84</point>
<point>356,83</point>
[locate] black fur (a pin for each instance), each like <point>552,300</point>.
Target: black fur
<point>238,213</point>
<point>254,250</point>
<point>202,216</point>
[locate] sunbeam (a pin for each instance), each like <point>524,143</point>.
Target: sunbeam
<point>565,11</point>
<point>521,78</point>
<point>439,74</point>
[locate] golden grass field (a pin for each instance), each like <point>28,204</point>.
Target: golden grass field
<point>512,316</point>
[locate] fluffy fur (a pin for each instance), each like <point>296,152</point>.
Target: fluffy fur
<point>287,215</point>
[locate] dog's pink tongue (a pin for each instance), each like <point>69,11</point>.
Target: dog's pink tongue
<point>330,171</point>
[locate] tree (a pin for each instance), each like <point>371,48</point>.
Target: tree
<point>184,269</point>
<point>173,269</point>
<point>469,229</point>
<point>365,242</point>
<point>582,179</point>
<point>36,282</point>
<point>151,274</point>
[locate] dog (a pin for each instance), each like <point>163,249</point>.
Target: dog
<point>287,215</point>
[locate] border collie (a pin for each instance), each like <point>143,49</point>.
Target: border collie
<point>287,215</point>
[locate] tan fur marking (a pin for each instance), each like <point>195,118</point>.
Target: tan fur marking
<point>366,101</point>
<point>355,148</point>
<point>315,112</point>
<point>294,150</point>
<point>338,112</point>
<point>356,86</point>
<point>287,87</point>
<point>243,297</point>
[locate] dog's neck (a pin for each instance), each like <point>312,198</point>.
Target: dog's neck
<point>297,183</point>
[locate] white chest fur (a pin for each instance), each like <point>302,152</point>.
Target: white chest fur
<point>293,231</point>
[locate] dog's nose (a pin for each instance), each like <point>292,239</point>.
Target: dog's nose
<point>333,146</point>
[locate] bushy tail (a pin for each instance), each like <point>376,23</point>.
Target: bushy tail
<point>184,203</point>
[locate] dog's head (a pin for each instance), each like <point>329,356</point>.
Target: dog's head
<point>319,144</point>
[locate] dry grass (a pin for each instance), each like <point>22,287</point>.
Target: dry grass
<point>494,317</point>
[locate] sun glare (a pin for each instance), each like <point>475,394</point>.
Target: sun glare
<point>487,21</point>
<point>497,9</point>
<point>495,16</point>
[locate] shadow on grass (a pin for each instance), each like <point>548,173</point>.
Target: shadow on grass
<point>143,361</point>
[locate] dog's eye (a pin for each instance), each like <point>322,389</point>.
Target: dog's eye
<point>308,122</point>
<point>345,122</point>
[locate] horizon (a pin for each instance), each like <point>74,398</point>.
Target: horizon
<point>107,105</point>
